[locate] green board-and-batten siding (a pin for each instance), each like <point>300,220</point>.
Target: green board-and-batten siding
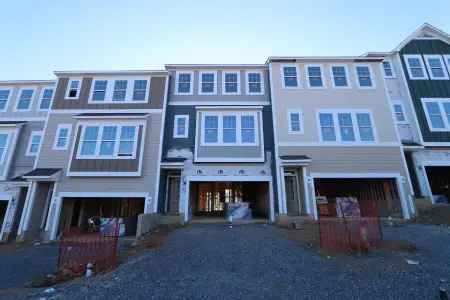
<point>427,88</point>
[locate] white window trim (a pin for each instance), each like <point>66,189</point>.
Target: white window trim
<point>110,90</point>
<point>238,72</point>
<point>322,75</point>
<point>41,97</point>
<point>186,127</point>
<point>16,109</point>
<point>200,73</point>
<point>191,86</point>
<point>99,140</point>
<point>337,131</point>
<point>11,90</point>
<point>220,116</point>
<point>394,75</point>
<point>372,77</point>
<point>425,74</point>
<point>80,79</point>
<point>300,113</point>
<point>247,72</point>
<point>347,76</point>
<point>447,62</point>
<point>444,70</point>
<point>34,133</point>
<point>297,69</point>
<point>443,114</point>
<point>399,102</point>
<point>7,144</point>
<point>69,132</point>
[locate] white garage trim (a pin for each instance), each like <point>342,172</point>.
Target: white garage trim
<point>101,195</point>
<point>189,179</point>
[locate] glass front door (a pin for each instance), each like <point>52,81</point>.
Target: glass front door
<point>291,194</point>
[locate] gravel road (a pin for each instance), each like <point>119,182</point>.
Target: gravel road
<point>255,262</point>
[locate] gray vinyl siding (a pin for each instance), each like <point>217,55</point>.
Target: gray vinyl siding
<point>170,143</point>
<point>219,98</point>
<point>22,163</point>
<point>350,159</point>
<point>14,100</point>
<point>105,165</point>
<point>427,88</point>
<point>60,159</point>
<point>156,96</point>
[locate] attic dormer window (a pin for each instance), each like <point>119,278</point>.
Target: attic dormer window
<point>73,88</point>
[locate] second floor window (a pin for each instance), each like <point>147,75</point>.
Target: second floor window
<point>184,83</point>
<point>231,83</point>
<point>415,67</point>
<point>4,97</point>
<point>34,143</point>
<point>255,83</point>
<point>62,136</point>
<point>388,69</point>
<point>339,76</point>
<point>123,90</point>
<point>295,125</point>
<point>108,142</point>
<point>181,126</point>
<point>224,129</point>
<point>290,76</point>
<point>140,88</point>
<point>120,90</point>
<point>364,77</point>
<point>99,90</point>
<point>346,127</point>
<point>73,88</point>
<point>437,113</point>
<point>25,99</point>
<point>4,137</point>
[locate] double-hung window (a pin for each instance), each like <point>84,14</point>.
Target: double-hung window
<point>339,76</point>
<point>34,143</point>
<point>62,136</point>
<point>295,121</point>
<point>229,129</point>
<point>46,99</point>
<point>314,75</point>
<point>447,62</point>
<point>231,83</point>
<point>139,90</point>
<point>415,67</point>
<point>108,142</point>
<point>184,83</point>
<point>181,126</point>
<point>388,69</point>
<point>4,98</point>
<point>73,88</point>
<point>437,113</point>
<point>399,112</point>
<point>25,99</point>
<point>255,83</point>
<point>346,127</point>
<point>207,83</point>
<point>290,77</point>
<point>4,140</point>
<point>120,90</point>
<point>100,87</point>
<point>435,67</point>
<point>364,78</point>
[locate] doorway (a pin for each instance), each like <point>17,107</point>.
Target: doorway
<point>292,195</point>
<point>173,200</point>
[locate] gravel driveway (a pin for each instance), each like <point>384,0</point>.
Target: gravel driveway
<point>255,262</point>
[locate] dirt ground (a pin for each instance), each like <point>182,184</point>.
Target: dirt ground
<point>438,215</point>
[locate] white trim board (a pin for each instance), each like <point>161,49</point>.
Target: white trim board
<point>354,175</point>
<point>339,144</point>
<point>223,104</point>
<point>102,195</point>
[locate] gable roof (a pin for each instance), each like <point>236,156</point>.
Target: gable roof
<point>426,29</point>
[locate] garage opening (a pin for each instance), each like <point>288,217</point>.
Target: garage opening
<point>76,212</point>
<point>439,180</point>
<point>216,199</point>
<point>384,191</point>
<point>3,208</point>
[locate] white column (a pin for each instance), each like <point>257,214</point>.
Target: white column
<point>305,189</point>
<point>57,204</point>
<point>401,192</point>
<point>313,194</point>
<point>27,208</point>
<point>186,201</point>
<point>282,203</point>
<point>272,208</point>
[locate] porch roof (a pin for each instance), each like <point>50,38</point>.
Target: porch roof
<point>42,174</point>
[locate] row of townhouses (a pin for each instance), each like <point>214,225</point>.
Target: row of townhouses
<point>185,141</point>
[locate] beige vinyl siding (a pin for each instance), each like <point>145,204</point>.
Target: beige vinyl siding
<point>22,163</point>
<point>14,100</point>
<point>60,159</point>
<point>310,100</point>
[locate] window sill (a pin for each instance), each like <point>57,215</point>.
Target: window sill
<point>104,174</point>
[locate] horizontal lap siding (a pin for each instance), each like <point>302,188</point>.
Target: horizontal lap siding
<point>427,88</point>
<point>350,159</point>
<point>156,96</point>
<point>14,100</point>
<point>22,163</point>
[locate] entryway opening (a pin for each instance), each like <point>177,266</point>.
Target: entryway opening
<point>294,191</point>
<point>383,190</point>
<point>3,211</point>
<point>439,181</point>
<point>215,199</point>
<point>76,212</point>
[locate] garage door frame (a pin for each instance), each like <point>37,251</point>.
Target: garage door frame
<point>8,198</point>
<point>432,163</point>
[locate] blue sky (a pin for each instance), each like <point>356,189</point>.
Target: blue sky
<point>47,35</point>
